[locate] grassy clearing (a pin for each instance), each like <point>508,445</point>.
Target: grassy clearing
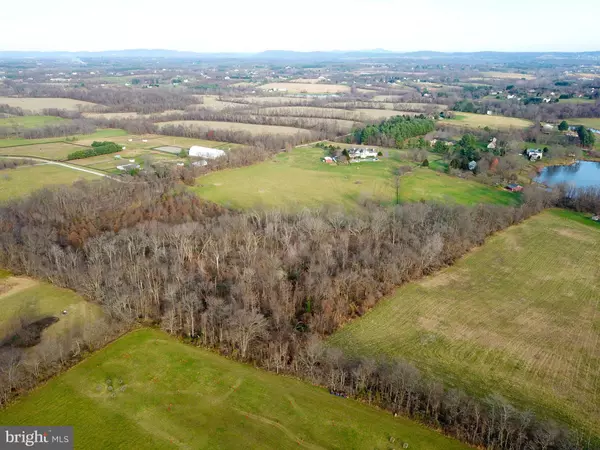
<point>132,141</point>
<point>195,399</point>
<point>519,317</point>
<point>470,120</point>
<point>29,121</point>
<point>22,297</point>
<point>508,75</point>
<point>79,139</point>
<point>142,157</point>
<point>38,104</point>
<point>577,100</point>
<point>298,179</point>
<point>15,183</point>
<point>57,151</point>
<point>310,88</point>
<point>236,126</point>
<point>588,122</point>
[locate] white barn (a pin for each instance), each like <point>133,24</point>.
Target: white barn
<point>205,152</point>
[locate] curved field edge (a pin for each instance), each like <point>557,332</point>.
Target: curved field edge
<point>147,390</point>
<point>518,317</point>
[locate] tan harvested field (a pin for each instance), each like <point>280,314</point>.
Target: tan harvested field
<point>508,75</point>
<point>306,80</point>
<point>469,120</point>
<point>587,75</point>
<point>312,111</point>
<point>235,126</point>
<point>388,102</point>
<point>38,104</point>
<point>518,317</point>
<point>296,88</point>
<point>275,99</point>
<point>57,150</point>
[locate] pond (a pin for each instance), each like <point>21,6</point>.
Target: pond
<point>581,174</point>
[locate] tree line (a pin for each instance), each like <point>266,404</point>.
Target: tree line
<point>395,129</point>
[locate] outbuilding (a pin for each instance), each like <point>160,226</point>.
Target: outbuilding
<point>204,152</point>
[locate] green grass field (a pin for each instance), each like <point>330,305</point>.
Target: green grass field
<point>577,100</point>
<point>518,317</point>
<point>588,122</point>
<point>100,134</point>
<point>298,179</point>
<point>15,183</point>
<point>177,395</point>
<point>57,151</point>
<point>29,121</point>
<point>33,300</point>
<point>469,120</point>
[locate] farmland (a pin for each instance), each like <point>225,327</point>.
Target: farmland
<point>309,88</point>
<point>39,104</point>
<point>470,120</point>
<point>79,139</point>
<point>237,126</point>
<point>194,398</point>
<point>518,317</point>
<point>297,179</point>
<point>24,180</point>
<point>588,122</point>
<point>29,121</point>
<point>26,298</point>
<point>57,150</point>
<point>508,75</point>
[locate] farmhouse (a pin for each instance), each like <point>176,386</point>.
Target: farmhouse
<point>513,187</point>
<point>533,154</point>
<point>493,143</point>
<point>362,153</point>
<point>205,152</point>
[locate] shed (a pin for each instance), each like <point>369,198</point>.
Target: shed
<point>205,152</point>
<point>514,187</point>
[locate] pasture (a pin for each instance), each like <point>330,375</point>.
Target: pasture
<point>57,151</point>
<point>518,317</point>
<point>23,180</point>
<point>29,121</point>
<point>196,399</point>
<point>142,157</point>
<point>101,134</point>
<point>152,141</point>
<point>470,120</point>
<point>39,104</point>
<point>236,126</point>
<point>588,122</point>
<point>508,75</point>
<point>299,179</point>
<point>309,88</point>
<point>26,298</point>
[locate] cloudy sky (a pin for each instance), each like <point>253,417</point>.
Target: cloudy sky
<point>249,26</point>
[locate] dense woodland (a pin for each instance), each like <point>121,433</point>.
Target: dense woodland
<point>261,286</point>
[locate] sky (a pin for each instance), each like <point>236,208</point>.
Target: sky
<point>306,25</point>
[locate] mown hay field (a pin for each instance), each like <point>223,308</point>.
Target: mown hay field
<point>299,179</point>
<point>588,122</point>
<point>56,150</point>
<point>470,120</point>
<point>23,180</point>
<point>152,141</point>
<point>38,104</point>
<point>29,121</point>
<point>193,398</point>
<point>508,75</point>
<point>310,88</point>
<point>518,317</point>
<point>236,126</point>
<point>101,134</point>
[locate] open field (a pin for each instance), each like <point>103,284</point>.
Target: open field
<point>588,122</point>
<point>470,120</point>
<point>110,163</point>
<point>29,121</point>
<point>274,99</point>
<point>236,126</point>
<point>196,399</point>
<point>577,100</point>
<point>102,134</point>
<point>38,104</point>
<point>57,151</point>
<point>518,317</point>
<point>23,180</point>
<point>296,88</point>
<point>508,75</point>
<point>298,179</point>
<point>159,140</point>
<point>22,297</point>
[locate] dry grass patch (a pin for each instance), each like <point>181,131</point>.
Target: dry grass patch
<point>57,151</point>
<point>519,318</point>
<point>235,126</point>
<point>307,87</point>
<point>469,120</point>
<point>38,104</point>
<point>508,75</point>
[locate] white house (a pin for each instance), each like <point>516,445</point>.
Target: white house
<point>205,152</point>
<point>493,143</point>
<point>362,153</point>
<point>534,154</point>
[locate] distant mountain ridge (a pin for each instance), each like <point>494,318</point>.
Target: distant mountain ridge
<point>291,55</point>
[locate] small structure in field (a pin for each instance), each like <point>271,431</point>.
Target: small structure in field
<point>596,218</point>
<point>472,165</point>
<point>204,152</point>
<point>128,167</point>
<point>328,160</point>
<point>493,144</point>
<point>200,163</point>
<point>533,154</point>
<point>514,187</point>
